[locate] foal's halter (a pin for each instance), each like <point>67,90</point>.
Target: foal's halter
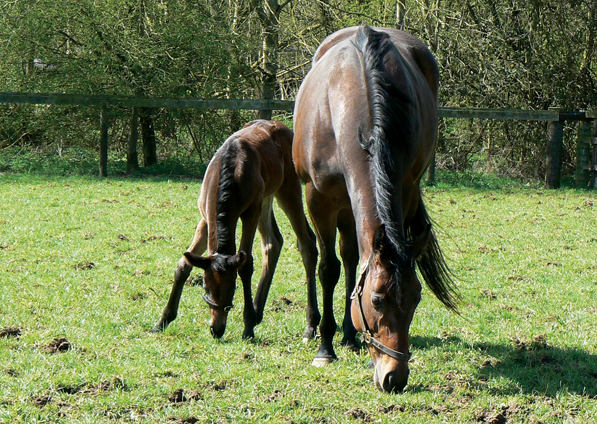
<point>367,337</point>
<point>215,306</point>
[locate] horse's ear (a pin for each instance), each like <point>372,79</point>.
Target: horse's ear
<point>237,260</point>
<point>199,261</point>
<point>420,243</point>
<point>380,239</point>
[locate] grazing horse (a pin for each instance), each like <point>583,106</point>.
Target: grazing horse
<point>365,123</point>
<point>251,168</point>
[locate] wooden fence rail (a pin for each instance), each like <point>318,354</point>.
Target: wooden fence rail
<point>555,118</point>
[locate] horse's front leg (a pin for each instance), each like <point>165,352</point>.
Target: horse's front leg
<point>250,219</point>
<point>324,219</point>
<point>271,246</point>
<point>349,251</point>
<point>183,270</point>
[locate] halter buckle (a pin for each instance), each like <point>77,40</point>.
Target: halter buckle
<point>356,292</point>
<point>215,306</point>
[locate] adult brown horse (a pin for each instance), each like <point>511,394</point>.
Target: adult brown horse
<point>365,123</point>
<point>251,168</point>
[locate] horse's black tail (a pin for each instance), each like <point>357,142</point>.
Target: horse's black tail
<point>431,263</point>
<point>392,131</point>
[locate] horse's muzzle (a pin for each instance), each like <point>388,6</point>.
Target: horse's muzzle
<point>392,381</point>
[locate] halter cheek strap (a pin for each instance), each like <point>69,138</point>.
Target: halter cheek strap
<point>367,337</point>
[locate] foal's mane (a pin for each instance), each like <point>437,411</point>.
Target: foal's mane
<point>392,132</point>
<point>226,197</point>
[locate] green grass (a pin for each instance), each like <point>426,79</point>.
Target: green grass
<point>92,260</point>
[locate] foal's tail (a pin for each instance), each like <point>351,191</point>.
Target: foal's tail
<point>431,263</point>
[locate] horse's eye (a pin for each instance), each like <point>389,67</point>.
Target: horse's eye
<point>377,301</point>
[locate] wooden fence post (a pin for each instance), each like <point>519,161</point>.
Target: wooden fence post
<point>431,172</point>
<point>584,134</point>
<point>555,142</point>
<point>103,159</point>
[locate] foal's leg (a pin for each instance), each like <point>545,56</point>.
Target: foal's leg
<point>349,251</point>
<point>271,246</point>
<point>183,270</point>
<point>324,218</point>
<point>250,219</point>
<point>290,200</point>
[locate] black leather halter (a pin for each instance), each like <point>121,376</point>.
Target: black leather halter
<point>215,306</point>
<point>367,337</point>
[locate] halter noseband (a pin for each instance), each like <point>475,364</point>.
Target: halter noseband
<point>367,337</point>
<point>215,306</point>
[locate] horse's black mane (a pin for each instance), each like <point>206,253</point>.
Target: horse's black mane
<point>228,153</point>
<point>392,131</point>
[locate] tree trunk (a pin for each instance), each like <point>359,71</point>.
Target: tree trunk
<point>269,16</point>
<point>590,46</point>
<point>553,162</point>
<point>400,14</point>
<point>150,156</point>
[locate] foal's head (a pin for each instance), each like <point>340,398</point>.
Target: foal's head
<point>384,302</point>
<point>219,281</point>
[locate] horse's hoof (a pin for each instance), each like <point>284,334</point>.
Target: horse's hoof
<point>310,334</point>
<point>248,335</point>
<point>322,362</point>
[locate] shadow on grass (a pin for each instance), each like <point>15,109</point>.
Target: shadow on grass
<point>535,366</point>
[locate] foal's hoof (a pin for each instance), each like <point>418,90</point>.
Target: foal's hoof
<point>322,362</point>
<point>159,327</point>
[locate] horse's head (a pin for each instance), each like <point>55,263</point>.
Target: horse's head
<point>219,281</point>
<point>383,305</point>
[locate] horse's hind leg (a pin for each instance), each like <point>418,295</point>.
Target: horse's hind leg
<point>290,200</point>
<point>183,270</point>
<point>349,251</point>
<point>271,246</point>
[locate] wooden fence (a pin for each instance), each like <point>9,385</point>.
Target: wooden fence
<point>586,167</point>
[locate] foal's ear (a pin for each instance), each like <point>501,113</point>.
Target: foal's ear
<point>237,260</point>
<point>420,243</point>
<point>200,261</point>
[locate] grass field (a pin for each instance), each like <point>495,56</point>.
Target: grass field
<point>86,266</point>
